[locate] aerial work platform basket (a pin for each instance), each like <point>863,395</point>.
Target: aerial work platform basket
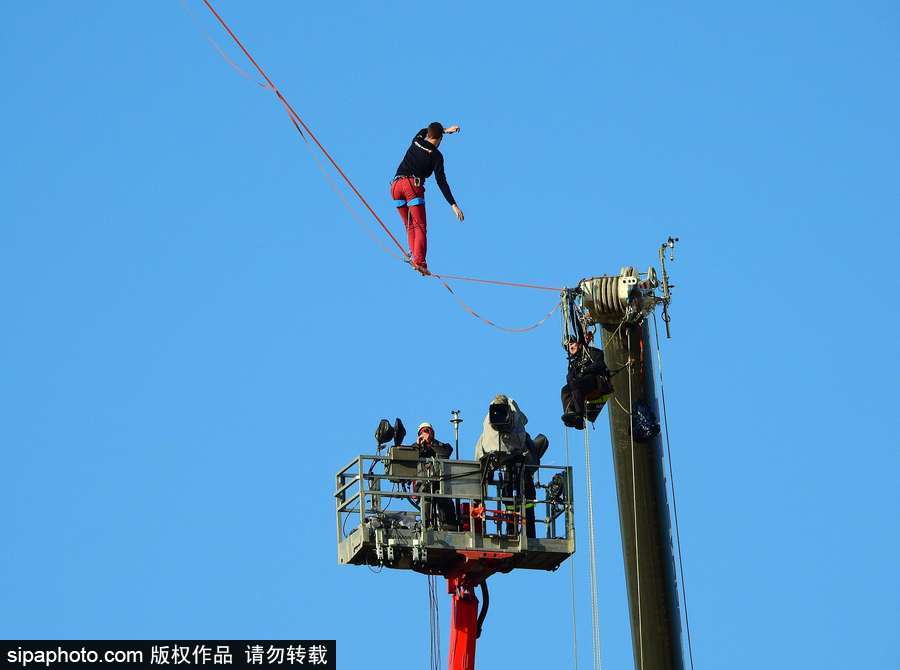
<point>440,516</point>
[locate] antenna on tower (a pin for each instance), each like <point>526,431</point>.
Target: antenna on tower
<point>666,286</point>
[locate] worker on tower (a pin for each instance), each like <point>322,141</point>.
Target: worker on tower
<point>408,188</point>
<point>587,382</point>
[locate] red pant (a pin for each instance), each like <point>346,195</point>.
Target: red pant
<point>410,202</point>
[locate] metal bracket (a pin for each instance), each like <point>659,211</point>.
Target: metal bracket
<point>419,555</point>
<point>384,553</point>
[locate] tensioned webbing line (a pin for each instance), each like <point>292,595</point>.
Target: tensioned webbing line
<point>215,45</point>
<point>296,118</point>
<point>301,126</point>
<point>310,148</point>
<point>505,329</point>
<point>497,282</point>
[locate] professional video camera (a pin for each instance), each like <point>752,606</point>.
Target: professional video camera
<point>500,416</point>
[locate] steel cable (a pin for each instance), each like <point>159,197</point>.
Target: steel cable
<point>662,390</point>
<point>637,555</point>
<point>572,571</point>
<point>592,541</point>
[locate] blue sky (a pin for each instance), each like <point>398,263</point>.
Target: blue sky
<point>197,336</point>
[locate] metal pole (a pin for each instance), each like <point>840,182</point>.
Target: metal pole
<point>455,420</point>
<point>643,507</point>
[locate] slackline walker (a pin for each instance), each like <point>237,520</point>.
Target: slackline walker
<point>414,217</point>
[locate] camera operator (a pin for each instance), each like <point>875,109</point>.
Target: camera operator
<point>441,514</point>
<point>429,445</point>
<point>517,455</point>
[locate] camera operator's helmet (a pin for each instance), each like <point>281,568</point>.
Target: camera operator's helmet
<point>423,426</point>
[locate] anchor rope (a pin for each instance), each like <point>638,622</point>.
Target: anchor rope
<point>592,541</point>
<point>572,572</point>
<point>637,555</point>
<point>662,388</point>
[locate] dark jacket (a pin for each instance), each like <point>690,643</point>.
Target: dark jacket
<point>436,448</point>
<point>588,362</point>
<point>421,160</point>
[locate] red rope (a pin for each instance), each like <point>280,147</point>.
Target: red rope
<point>215,45</point>
<point>498,282</point>
<point>299,123</point>
<point>505,329</point>
<point>296,118</point>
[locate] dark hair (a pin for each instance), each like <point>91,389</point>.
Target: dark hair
<point>435,130</point>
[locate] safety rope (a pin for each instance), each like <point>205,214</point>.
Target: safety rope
<point>637,555</point>
<point>498,282</point>
<point>505,329</point>
<point>592,541</point>
<point>662,388</point>
<point>572,568</point>
<point>318,162</point>
<point>296,118</point>
<point>434,626</point>
<point>353,213</point>
<point>301,126</point>
<point>215,45</point>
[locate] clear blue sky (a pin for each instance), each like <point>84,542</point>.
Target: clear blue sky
<point>196,336</point>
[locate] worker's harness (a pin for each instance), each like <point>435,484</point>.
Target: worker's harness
<point>417,181</point>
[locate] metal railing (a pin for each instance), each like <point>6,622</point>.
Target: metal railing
<point>452,496</point>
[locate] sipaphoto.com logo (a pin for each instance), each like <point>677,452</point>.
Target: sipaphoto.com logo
<point>49,658</point>
<point>150,654</point>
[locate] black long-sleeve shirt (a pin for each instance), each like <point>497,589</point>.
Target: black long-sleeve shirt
<point>421,160</point>
<point>587,362</point>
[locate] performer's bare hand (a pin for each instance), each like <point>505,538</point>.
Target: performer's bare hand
<point>449,130</point>
<point>459,213</point>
